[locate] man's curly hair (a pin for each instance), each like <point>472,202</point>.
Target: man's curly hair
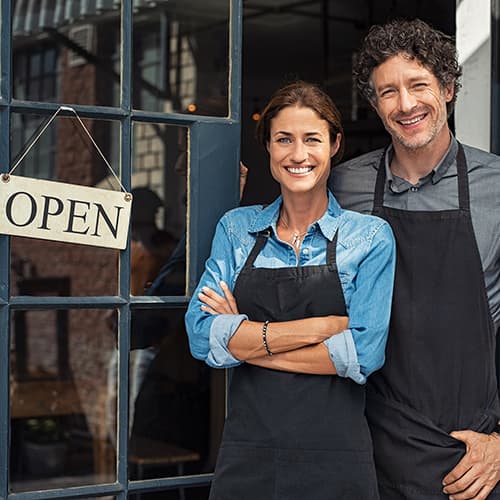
<point>430,47</point>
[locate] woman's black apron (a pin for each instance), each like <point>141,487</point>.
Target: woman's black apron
<point>292,436</point>
<point>439,375</point>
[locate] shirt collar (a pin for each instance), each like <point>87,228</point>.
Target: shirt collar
<point>449,158</point>
<point>268,218</point>
<point>398,185</point>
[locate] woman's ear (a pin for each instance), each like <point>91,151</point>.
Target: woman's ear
<point>336,145</point>
<point>267,146</point>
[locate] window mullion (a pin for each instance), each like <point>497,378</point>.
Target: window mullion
<point>5,95</point>
<point>124,317</point>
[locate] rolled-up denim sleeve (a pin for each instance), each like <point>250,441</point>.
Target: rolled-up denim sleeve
<point>222,329</point>
<point>344,356</point>
<point>360,350</point>
<point>209,334</point>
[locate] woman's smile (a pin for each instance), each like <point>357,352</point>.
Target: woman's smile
<point>299,170</point>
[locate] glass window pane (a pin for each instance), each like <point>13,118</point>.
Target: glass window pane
<point>35,65</point>
<point>158,225</point>
<point>74,44</point>
<point>85,270</point>
<point>181,57</point>
<point>62,400</point>
<point>65,153</point>
<point>176,401</point>
<point>187,493</point>
<point>74,158</point>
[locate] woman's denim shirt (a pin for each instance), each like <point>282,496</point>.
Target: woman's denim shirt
<point>365,261</point>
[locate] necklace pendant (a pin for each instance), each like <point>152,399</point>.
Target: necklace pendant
<point>295,240</point>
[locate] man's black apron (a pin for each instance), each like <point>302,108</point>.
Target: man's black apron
<point>292,436</point>
<point>439,375</point>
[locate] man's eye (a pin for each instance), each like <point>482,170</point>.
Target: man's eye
<point>420,85</point>
<point>387,93</point>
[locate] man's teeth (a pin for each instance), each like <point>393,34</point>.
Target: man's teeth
<point>299,170</point>
<point>412,121</point>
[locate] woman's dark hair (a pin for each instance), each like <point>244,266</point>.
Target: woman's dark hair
<point>306,95</point>
<point>430,47</point>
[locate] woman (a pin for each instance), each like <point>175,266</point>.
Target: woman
<point>296,295</point>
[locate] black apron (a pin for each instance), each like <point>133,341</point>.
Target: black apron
<point>439,375</point>
<point>293,436</point>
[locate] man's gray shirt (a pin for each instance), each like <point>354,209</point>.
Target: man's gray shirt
<point>353,184</point>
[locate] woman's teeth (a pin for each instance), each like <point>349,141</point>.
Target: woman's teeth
<point>299,170</point>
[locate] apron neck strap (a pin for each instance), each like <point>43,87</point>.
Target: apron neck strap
<point>331,252</point>
<point>463,181</point>
<point>378,200</point>
<point>262,237</point>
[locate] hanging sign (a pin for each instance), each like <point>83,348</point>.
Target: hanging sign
<point>64,212</point>
<point>56,211</point>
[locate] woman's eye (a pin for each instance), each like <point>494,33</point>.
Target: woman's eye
<point>284,140</point>
<point>313,139</point>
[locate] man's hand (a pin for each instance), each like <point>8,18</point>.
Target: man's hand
<point>214,303</point>
<point>475,476</point>
<point>243,178</point>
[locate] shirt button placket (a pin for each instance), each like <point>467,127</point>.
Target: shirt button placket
<point>304,255</point>
<point>413,200</point>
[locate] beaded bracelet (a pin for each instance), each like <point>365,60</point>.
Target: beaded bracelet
<point>264,338</point>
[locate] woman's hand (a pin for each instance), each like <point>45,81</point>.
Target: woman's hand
<point>215,303</point>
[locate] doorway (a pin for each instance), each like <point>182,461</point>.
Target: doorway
<point>315,40</point>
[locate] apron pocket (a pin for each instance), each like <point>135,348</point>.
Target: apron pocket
<point>324,475</point>
<point>411,453</point>
<point>244,472</point>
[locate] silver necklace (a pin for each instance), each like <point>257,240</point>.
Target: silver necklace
<point>296,237</point>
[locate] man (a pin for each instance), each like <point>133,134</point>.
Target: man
<point>433,408</point>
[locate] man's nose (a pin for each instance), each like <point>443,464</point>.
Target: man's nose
<point>407,100</point>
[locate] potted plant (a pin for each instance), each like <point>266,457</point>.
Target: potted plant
<point>44,447</point>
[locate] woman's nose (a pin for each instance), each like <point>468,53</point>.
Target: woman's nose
<point>299,152</point>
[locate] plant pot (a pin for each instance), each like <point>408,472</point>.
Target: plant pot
<point>44,459</point>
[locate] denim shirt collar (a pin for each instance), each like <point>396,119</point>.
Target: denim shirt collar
<point>328,223</point>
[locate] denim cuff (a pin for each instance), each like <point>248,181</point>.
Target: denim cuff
<point>221,331</point>
<point>344,356</point>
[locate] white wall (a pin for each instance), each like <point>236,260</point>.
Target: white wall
<point>472,115</point>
